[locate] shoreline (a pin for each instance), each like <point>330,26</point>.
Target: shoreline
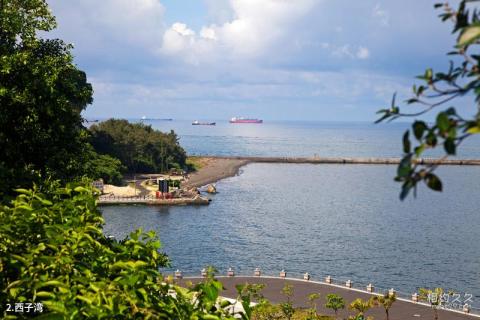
<point>404,308</point>
<point>216,168</point>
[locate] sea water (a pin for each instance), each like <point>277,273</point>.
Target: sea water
<point>295,138</point>
<point>340,220</point>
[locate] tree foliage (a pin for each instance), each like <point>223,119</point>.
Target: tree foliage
<point>434,297</point>
<point>450,128</point>
<point>334,302</point>
<point>20,21</point>
<point>42,94</point>
<point>139,147</point>
<point>386,301</point>
<point>64,260</point>
<point>246,294</point>
<point>103,166</point>
<point>360,307</point>
<point>52,246</point>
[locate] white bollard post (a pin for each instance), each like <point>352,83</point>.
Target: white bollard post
<point>283,274</point>
<point>230,272</point>
<point>391,292</point>
<point>466,308</point>
<point>306,276</point>
<point>348,284</point>
<point>415,297</point>
<point>204,273</point>
<point>370,288</point>
<point>257,272</point>
<point>178,274</point>
<point>328,279</point>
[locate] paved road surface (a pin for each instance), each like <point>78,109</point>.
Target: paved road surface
<point>401,310</point>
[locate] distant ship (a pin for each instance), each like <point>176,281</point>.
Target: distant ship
<point>245,120</point>
<point>90,121</point>
<point>157,119</point>
<point>198,123</point>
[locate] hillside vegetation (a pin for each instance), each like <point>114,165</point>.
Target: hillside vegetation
<point>139,147</point>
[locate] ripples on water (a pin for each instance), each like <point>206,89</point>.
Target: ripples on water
<point>342,220</point>
<point>307,138</point>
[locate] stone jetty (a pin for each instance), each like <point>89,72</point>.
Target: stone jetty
<point>351,160</point>
<point>151,200</point>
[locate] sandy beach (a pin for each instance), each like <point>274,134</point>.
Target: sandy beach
<point>213,170</point>
<point>210,170</point>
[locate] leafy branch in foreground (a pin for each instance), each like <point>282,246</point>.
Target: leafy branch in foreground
<point>53,251</point>
<point>450,129</point>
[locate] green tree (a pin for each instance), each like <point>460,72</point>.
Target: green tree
<point>139,147</point>
<point>386,301</point>
<point>42,94</point>
<point>312,311</point>
<point>63,260</point>
<point>360,306</point>
<point>102,166</point>
<point>287,306</point>
<point>52,246</point>
<point>434,297</point>
<point>53,251</point>
<point>335,302</point>
<point>450,128</point>
<point>246,293</point>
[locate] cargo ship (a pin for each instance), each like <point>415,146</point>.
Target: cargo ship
<point>245,120</point>
<point>144,118</point>
<point>198,123</point>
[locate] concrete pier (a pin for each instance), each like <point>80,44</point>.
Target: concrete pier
<point>149,200</point>
<point>351,160</point>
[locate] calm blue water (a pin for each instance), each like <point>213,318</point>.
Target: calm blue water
<point>342,220</point>
<point>328,139</point>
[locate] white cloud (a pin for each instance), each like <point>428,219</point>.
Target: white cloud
<point>342,51</point>
<point>208,33</point>
<point>177,38</point>
<point>246,51</point>
<point>256,25</point>
<point>182,29</point>
<point>381,14</point>
<point>92,24</point>
<point>346,51</point>
<point>363,53</point>
<point>256,86</point>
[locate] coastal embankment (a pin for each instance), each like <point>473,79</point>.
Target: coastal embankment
<point>403,309</point>
<point>151,200</point>
<point>215,168</point>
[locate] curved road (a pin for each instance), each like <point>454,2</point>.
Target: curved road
<point>401,309</point>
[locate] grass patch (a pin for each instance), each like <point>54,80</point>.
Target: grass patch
<point>196,163</point>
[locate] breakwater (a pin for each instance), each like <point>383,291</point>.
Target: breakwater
<point>350,160</point>
<point>151,200</point>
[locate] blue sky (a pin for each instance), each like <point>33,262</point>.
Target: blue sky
<point>272,59</point>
